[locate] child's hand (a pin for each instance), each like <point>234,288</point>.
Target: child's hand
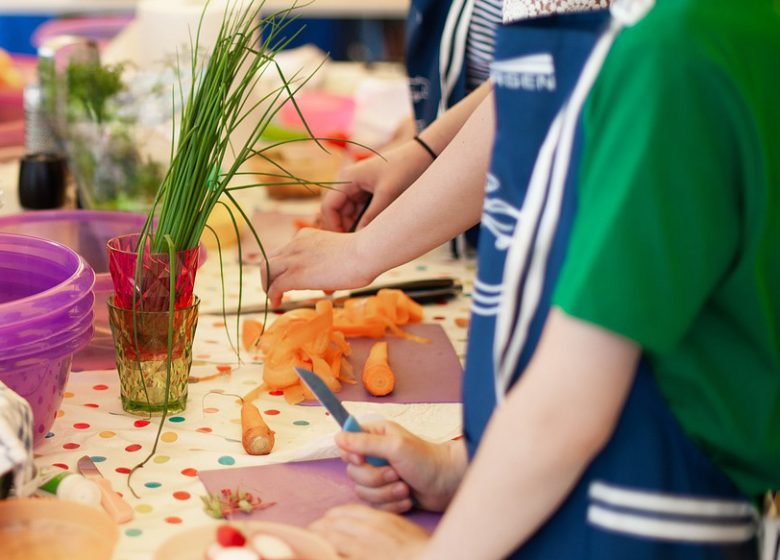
<point>385,179</point>
<point>420,472</point>
<point>359,532</point>
<point>316,260</point>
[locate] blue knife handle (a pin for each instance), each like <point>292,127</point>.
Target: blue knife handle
<point>351,425</point>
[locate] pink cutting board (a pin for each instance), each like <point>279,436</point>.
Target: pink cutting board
<point>303,491</point>
<point>425,373</point>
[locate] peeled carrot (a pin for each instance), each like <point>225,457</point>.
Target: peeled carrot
<point>256,437</point>
<point>316,339</point>
<point>378,378</point>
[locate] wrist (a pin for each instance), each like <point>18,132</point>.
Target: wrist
<point>367,251</point>
<point>426,147</point>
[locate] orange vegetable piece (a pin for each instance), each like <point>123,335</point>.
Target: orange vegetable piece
<point>378,378</point>
<point>316,339</point>
<point>368,330</point>
<point>294,394</point>
<point>250,333</point>
<point>256,437</point>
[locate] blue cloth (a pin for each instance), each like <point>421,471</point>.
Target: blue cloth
<point>16,32</point>
<point>650,491</point>
<point>523,118</point>
<point>424,30</point>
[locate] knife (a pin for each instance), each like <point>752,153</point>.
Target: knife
<point>334,406</point>
<point>421,291</point>
<point>113,503</point>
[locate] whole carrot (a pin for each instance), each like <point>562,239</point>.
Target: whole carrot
<point>378,378</point>
<point>256,437</point>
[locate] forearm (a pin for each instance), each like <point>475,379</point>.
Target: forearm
<point>444,201</point>
<point>538,442</point>
<point>512,507</point>
<point>444,129</point>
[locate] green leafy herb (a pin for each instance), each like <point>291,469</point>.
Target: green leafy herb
<point>91,85</point>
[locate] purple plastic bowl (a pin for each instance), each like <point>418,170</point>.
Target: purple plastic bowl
<point>38,279</point>
<point>41,379</point>
<point>87,232</point>
<point>68,330</point>
<point>84,231</point>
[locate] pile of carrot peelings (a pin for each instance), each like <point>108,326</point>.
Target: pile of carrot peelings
<point>315,339</point>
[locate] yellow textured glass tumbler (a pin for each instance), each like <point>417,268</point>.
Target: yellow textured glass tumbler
<point>141,344</point>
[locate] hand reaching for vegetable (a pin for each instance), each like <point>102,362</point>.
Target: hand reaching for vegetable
<point>385,179</point>
<point>420,472</point>
<point>358,532</point>
<point>318,260</point>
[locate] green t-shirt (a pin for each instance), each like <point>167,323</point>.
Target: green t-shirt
<point>677,240</point>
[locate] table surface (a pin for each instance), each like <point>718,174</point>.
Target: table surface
<point>389,9</point>
<point>207,435</point>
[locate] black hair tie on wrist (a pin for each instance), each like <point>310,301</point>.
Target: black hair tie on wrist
<point>425,146</point>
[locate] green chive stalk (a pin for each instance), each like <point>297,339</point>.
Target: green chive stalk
<point>217,103</point>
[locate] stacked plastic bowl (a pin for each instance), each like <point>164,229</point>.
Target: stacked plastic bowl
<point>46,301</point>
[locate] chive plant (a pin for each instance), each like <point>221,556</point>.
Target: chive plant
<point>219,100</point>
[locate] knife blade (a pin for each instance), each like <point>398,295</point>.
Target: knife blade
<point>326,397</point>
<point>113,503</point>
<point>421,291</point>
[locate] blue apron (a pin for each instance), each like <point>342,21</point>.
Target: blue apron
<point>427,52</point>
<point>436,41</point>
<point>650,494</point>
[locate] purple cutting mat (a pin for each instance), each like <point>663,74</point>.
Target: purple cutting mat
<point>424,373</point>
<point>303,491</point>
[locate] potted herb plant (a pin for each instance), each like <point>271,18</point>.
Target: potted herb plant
<point>104,134</point>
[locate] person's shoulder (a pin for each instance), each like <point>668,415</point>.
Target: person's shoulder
<point>696,29</point>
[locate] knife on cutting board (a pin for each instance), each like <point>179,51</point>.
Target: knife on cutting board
<point>422,291</point>
<point>326,397</point>
<point>113,503</point>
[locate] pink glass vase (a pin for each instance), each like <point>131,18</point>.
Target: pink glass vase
<point>152,285</point>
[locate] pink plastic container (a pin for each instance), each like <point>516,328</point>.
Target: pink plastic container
<point>325,113</point>
<point>12,103</point>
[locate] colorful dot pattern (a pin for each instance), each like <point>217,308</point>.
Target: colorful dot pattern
<point>207,435</point>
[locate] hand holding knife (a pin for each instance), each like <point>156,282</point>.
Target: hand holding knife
<point>326,397</point>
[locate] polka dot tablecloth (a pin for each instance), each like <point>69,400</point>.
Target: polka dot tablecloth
<point>207,435</point>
